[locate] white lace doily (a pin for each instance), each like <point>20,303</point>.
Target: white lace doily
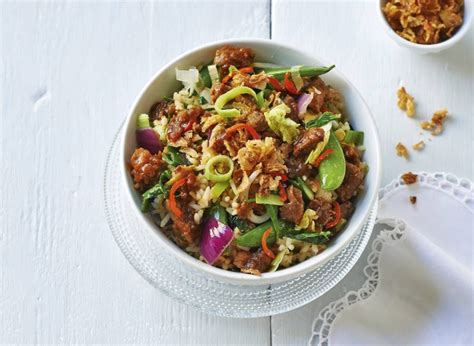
<point>433,191</point>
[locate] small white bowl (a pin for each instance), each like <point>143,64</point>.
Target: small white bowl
<point>164,84</point>
<point>427,48</point>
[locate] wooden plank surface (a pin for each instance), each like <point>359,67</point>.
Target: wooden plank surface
<point>69,72</point>
<point>348,34</point>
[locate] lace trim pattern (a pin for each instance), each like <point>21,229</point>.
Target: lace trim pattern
<point>460,189</point>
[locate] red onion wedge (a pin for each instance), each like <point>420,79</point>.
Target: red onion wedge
<point>147,138</point>
<point>215,238</point>
<point>303,101</point>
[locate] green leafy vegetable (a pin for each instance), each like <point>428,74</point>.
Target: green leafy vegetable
<point>280,124</point>
<point>253,238</point>
<point>158,189</point>
<point>322,120</point>
<point>273,212</point>
<point>300,184</point>
<point>205,77</point>
<point>354,137</point>
<point>333,169</point>
<point>174,158</point>
<point>242,224</point>
<point>218,212</point>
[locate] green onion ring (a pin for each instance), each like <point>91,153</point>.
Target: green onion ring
<point>212,174</point>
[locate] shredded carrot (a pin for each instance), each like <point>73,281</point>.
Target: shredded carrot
<point>241,126</point>
<point>172,199</point>
<point>321,157</point>
<point>265,248</point>
<point>337,216</point>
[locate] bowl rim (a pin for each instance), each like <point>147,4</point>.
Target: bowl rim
<point>436,47</point>
<point>219,274</point>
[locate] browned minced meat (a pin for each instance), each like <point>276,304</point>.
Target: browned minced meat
<point>243,210</point>
<point>265,181</point>
<point>353,179</point>
<point>318,103</point>
<point>218,143</point>
<point>179,122</point>
<point>146,168</point>
<point>230,55</point>
<point>240,258</point>
<point>351,153</point>
<point>256,119</point>
<point>294,209</point>
<point>161,108</point>
<point>291,103</point>
<point>307,140</point>
<point>218,89</point>
<point>346,209</point>
<point>409,178</point>
<point>297,167</point>
<point>258,263</point>
<point>184,229</point>
<point>324,210</point>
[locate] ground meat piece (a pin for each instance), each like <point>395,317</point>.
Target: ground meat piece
<point>291,103</point>
<point>185,230</point>
<point>353,179</point>
<point>240,258</point>
<point>256,119</point>
<point>244,209</point>
<point>346,209</point>
<point>182,122</point>
<point>216,139</point>
<point>409,178</point>
<point>258,263</point>
<point>218,89</point>
<point>294,209</point>
<point>146,168</point>
<point>351,153</point>
<point>230,55</point>
<point>307,140</point>
<point>320,90</point>
<point>324,210</point>
<point>160,109</point>
<point>297,167</point>
<point>286,149</point>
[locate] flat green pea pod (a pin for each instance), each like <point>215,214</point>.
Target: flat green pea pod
<point>304,71</point>
<point>230,95</point>
<point>253,238</point>
<point>214,167</point>
<point>333,169</point>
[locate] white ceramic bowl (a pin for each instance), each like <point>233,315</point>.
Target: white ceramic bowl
<point>427,48</point>
<point>164,84</point>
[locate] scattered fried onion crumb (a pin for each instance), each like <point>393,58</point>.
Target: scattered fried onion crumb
<point>435,126</point>
<point>424,21</point>
<point>418,146</point>
<point>409,178</point>
<point>406,102</point>
<point>402,151</point>
<point>413,199</point>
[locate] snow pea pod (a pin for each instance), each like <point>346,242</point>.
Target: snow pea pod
<point>305,71</point>
<point>253,238</point>
<point>333,169</point>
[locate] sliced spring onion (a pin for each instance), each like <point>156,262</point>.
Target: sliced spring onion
<point>257,219</point>
<point>260,99</point>
<point>217,163</point>
<point>218,189</point>
<point>265,65</point>
<point>295,75</point>
<point>268,199</point>
<point>213,73</point>
<point>230,95</point>
<point>206,94</point>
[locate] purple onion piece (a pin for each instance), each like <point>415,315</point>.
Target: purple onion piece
<point>146,137</point>
<point>303,101</point>
<point>215,238</point>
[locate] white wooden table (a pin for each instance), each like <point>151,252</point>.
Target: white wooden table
<point>68,74</point>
